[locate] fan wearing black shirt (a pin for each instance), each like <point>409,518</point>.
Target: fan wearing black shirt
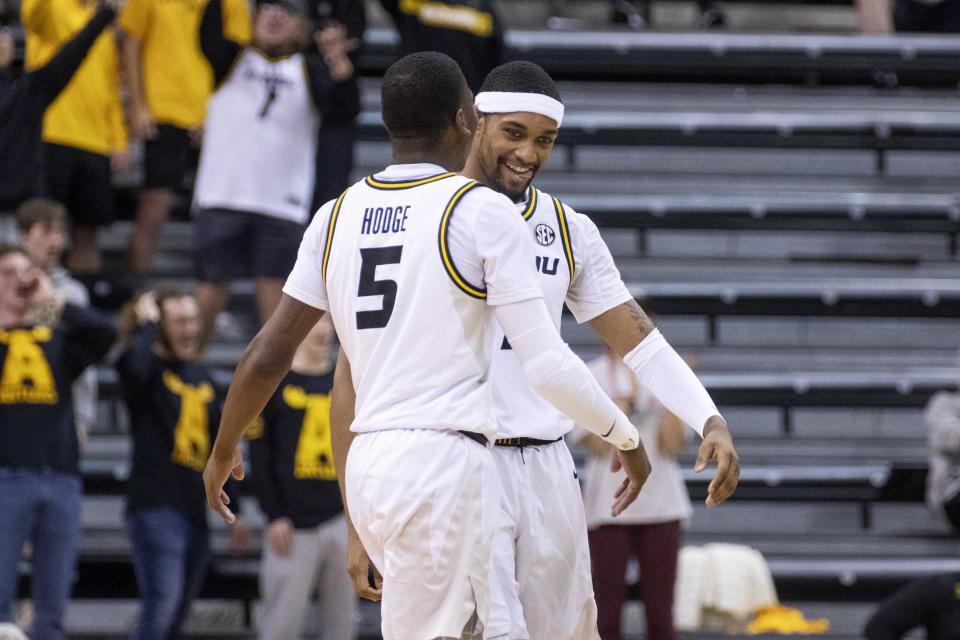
<point>174,412</point>
<point>44,346</point>
<point>304,550</point>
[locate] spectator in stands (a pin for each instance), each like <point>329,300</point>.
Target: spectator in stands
<point>943,437</point>
<point>338,129</point>
<point>174,411</point>
<point>83,127</point>
<point>932,603</point>
<point>635,14</point>
<point>919,16</point>
<point>45,344</point>
<point>649,530</point>
<point>169,84</point>
<point>42,225</point>
<point>469,31</point>
<point>254,191</point>
<point>305,543</point>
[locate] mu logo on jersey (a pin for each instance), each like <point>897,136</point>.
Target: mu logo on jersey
<point>191,437</point>
<point>26,377</point>
<point>547,265</point>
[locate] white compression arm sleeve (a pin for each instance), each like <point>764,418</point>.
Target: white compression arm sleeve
<point>662,371</point>
<point>559,376</point>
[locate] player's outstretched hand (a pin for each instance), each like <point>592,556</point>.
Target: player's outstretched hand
<point>637,467</point>
<point>718,445</point>
<point>215,475</point>
<point>359,567</point>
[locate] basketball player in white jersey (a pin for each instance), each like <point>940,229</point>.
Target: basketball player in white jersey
<point>412,264</point>
<point>520,114</point>
<point>546,556</point>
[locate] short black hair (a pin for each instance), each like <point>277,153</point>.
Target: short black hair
<point>421,94</point>
<point>521,76</point>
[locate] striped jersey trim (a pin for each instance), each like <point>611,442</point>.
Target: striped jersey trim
<point>390,186</point>
<point>330,229</point>
<point>532,204</point>
<point>451,268</point>
<point>564,234</point>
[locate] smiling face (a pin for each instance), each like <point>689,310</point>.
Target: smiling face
<point>510,148</point>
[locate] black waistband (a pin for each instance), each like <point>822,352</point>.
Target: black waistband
<point>523,442</point>
<point>479,438</point>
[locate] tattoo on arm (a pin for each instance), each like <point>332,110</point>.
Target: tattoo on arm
<point>644,323</point>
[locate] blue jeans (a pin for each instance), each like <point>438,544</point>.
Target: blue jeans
<point>169,557</point>
<point>44,508</point>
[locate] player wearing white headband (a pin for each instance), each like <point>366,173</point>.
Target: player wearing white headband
<point>520,116</point>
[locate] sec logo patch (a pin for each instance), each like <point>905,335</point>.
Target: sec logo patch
<point>545,235</point>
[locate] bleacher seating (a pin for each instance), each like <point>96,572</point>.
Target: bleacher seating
<point>699,57</point>
<point>800,241</point>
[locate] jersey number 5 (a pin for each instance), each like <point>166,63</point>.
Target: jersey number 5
<point>371,258</point>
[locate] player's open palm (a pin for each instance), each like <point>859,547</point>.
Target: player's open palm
<point>359,566</point>
<point>718,445</point>
<point>637,467</point>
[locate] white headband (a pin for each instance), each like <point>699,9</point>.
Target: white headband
<point>512,102</point>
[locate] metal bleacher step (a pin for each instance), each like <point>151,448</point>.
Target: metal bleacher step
<point>825,546</point>
<point>223,620</point>
<point>101,619</point>
<point>717,56</point>
<point>795,519</point>
<point>882,276</point>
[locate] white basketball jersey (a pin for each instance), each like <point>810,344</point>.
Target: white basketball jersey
<point>574,266</point>
<point>260,139</point>
<point>409,263</point>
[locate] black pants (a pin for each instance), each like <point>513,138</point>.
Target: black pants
<point>920,17</point>
<point>930,603</point>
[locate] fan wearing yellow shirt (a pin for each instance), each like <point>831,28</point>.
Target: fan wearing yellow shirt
<point>83,128</point>
<point>170,82</point>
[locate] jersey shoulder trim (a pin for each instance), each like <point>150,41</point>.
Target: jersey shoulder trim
<point>386,185</point>
<point>330,229</point>
<point>532,203</point>
<point>451,269</point>
<point>564,234</point>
